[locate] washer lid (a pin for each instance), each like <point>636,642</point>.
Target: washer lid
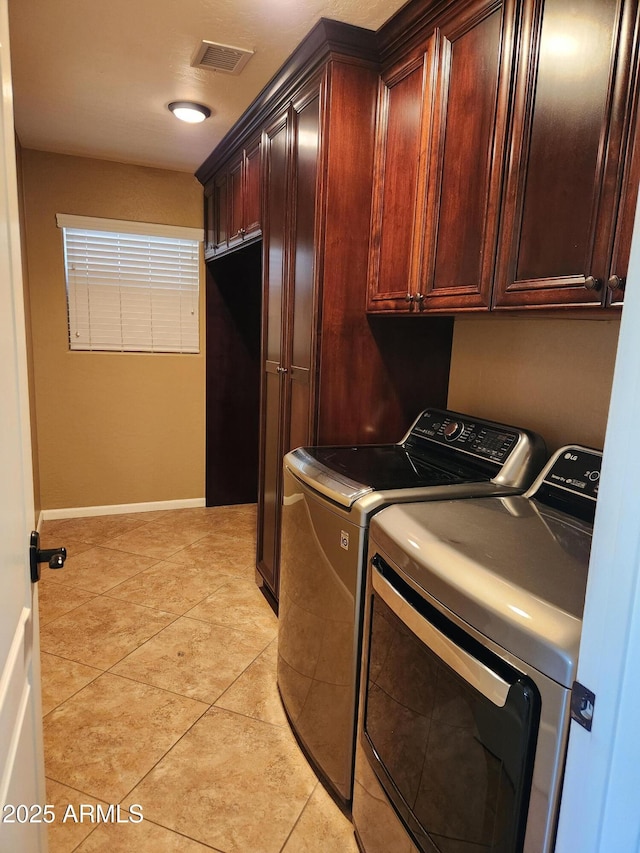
<point>512,569</point>
<point>345,474</point>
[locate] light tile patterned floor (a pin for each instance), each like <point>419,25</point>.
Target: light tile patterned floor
<point>159,692</point>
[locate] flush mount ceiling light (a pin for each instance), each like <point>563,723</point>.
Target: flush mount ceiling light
<point>189,111</point>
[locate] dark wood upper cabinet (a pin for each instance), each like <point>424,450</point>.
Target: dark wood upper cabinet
<point>442,118</point>
<point>505,173</point>
<point>569,176</point>
<point>232,202</point>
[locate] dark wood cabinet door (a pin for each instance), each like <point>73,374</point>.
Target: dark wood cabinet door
<point>236,196</point>
<point>629,165</point>
<point>220,212</point>
<point>617,276</point>
<point>275,270</point>
<point>304,287</point>
<point>562,187</point>
<point>252,185</point>
<point>398,208</point>
<point>209,222</point>
<point>291,158</point>
<point>474,63</point>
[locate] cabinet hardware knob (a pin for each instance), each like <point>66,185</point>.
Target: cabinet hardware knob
<point>409,297</point>
<point>281,370</point>
<point>420,297</point>
<point>616,282</point>
<point>592,283</point>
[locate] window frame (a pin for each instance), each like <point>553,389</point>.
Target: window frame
<point>124,309</point>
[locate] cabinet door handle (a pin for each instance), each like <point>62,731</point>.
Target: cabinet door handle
<point>592,283</point>
<point>281,370</point>
<point>616,282</point>
<point>409,297</point>
<point>420,297</point>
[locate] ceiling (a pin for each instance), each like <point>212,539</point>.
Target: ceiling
<point>94,78</point>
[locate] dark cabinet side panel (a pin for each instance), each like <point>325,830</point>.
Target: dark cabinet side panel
<point>277,141</point>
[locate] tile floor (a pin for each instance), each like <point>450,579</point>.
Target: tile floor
<point>158,678</point>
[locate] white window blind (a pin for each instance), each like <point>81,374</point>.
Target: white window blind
<point>131,286</point>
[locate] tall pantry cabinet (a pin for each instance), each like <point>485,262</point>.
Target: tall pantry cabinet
<point>291,158</point>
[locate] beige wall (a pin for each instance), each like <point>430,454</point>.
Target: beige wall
<point>112,428</point>
<point>551,375</point>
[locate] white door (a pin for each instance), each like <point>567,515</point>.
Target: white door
<point>22,795</point>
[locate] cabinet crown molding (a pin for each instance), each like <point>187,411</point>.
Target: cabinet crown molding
<point>325,40</point>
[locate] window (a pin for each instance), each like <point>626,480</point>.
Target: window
<point>131,286</point>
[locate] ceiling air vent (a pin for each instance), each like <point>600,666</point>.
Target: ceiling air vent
<point>221,57</point>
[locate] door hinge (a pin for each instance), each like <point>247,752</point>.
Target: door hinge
<point>582,704</point>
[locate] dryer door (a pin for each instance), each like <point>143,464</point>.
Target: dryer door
<point>449,728</point>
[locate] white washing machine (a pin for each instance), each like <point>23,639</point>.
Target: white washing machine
<point>330,496</point>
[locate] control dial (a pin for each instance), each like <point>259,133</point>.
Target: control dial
<point>453,430</point>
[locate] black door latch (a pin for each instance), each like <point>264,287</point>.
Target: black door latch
<point>54,556</point>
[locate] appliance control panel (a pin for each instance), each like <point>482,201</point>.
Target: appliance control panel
<point>577,470</point>
<point>484,439</point>
<point>570,482</point>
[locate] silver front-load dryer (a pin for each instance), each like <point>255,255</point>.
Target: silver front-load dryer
<point>473,621</point>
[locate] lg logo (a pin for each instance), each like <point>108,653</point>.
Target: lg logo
<point>571,456</point>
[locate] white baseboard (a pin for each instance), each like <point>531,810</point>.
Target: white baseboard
<point>118,509</point>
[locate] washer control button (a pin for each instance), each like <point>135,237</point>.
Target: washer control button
<point>453,430</point>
